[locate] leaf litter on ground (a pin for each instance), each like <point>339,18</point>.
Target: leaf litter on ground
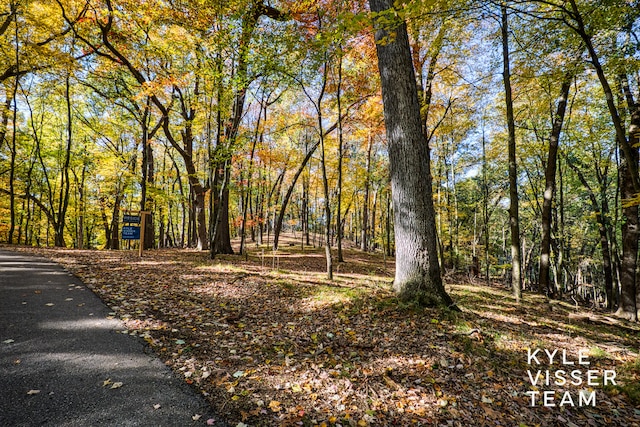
<point>280,347</point>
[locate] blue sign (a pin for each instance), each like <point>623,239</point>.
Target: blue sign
<point>130,232</point>
<point>131,219</point>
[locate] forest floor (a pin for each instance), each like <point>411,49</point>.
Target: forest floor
<point>271,342</point>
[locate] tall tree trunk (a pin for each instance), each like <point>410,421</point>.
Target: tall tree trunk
<point>4,119</point>
<point>245,194</point>
<point>82,209</point>
<point>220,216</point>
<point>148,174</point>
<point>417,275</point>
<point>485,208</point>
<point>197,189</point>
<point>627,307</point>
<point>630,290</point>
<point>305,208</point>
<point>12,166</point>
<point>374,207</point>
<point>364,240</point>
<point>113,234</point>
<point>63,201</point>
<point>514,220</point>
<point>550,186</point>
<point>246,197</point>
<point>256,10</point>
<point>340,149</point>
<point>325,179</point>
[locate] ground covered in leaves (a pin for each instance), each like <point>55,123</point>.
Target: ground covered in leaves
<point>271,342</point>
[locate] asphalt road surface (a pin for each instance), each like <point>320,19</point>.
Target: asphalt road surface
<point>63,362</point>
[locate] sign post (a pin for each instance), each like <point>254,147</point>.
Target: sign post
<point>135,232</point>
<point>143,223</point>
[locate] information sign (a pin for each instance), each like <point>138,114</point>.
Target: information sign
<point>131,219</point>
<point>130,232</point>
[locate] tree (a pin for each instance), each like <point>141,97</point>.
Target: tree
<point>550,185</point>
<point>514,220</point>
<point>418,275</point>
<point>574,18</point>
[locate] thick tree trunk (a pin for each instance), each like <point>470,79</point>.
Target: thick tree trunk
<point>629,306</point>
<point>550,186</point>
<point>114,229</point>
<point>222,239</point>
<point>514,220</point>
<point>417,276</point>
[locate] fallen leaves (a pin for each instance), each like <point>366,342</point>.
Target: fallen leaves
<point>112,385</point>
<point>275,406</point>
<point>289,348</point>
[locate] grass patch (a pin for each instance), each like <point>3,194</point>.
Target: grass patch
<point>598,353</point>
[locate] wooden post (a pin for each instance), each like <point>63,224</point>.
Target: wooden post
<point>143,221</point>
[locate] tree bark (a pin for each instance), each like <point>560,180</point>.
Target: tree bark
<point>514,220</point>
<point>323,166</point>
<point>417,277</point>
<point>340,149</point>
<point>63,201</point>
<point>364,240</point>
<point>629,306</point>
<point>148,173</point>
<point>12,167</point>
<point>550,186</point>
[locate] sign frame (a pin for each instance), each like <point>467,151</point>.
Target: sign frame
<point>137,231</point>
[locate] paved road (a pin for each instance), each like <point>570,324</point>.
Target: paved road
<point>58,347</point>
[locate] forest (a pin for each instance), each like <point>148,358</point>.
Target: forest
<point>240,121</point>
<point>332,212</point>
